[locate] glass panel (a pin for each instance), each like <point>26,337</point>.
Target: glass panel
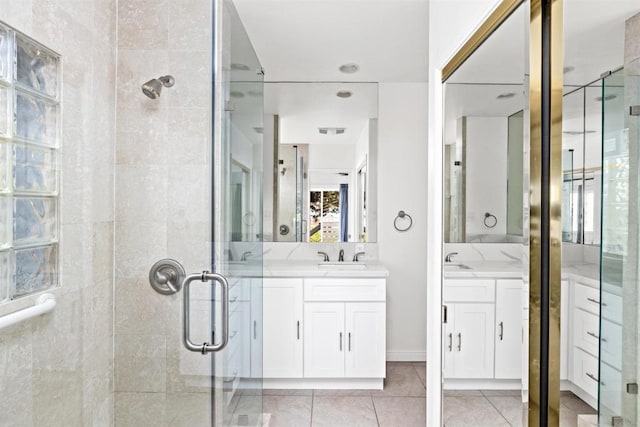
<point>5,274</point>
<point>36,68</point>
<point>5,59</point>
<point>34,169</point>
<point>573,145</point>
<point>239,398</point>
<point>619,249</point>
<point>592,163</point>
<point>5,111</point>
<point>5,222</point>
<point>35,269</point>
<point>36,119</point>
<point>35,219</point>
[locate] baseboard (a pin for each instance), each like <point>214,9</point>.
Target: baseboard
<point>406,356</point>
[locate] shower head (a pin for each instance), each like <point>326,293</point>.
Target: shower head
<point>153,88</point>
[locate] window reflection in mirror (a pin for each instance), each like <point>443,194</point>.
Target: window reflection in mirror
<point>323,139</point>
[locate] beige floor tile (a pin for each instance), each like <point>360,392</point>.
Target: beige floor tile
<point>575,404</point>
<point>348,411</point>
<point>402,381</point>
<point>421,369</point>
<point>568,418</point>
<point>340,393</point>
<point>468,411</point>
<point>293,411</point>
<point>400,411</point>
<point>510,407</point>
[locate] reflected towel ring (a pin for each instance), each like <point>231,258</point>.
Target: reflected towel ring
<point>488,221</point>
<point>402,215</point>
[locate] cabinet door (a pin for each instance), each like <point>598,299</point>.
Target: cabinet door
<point>473,340</point>
<point>282,328</point>
<point>365,340</point>
<point>448,332</point>
<point>508,329</point>
<point>255,328</point>
<point>324,340</point>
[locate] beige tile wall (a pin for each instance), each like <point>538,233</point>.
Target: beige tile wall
<point>57,370</point>
<point>162,205</point>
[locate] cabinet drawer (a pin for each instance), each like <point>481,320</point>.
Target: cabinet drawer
<point>586,331</point>
<point>611,343</point>
<point>344,289</point>
<point>585,372</point>
<point>469,290</point>
<point>587,298</point>
<point>611,307</point>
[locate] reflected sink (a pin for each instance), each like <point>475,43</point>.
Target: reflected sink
<point>343,265</point>
<point>449,266</point>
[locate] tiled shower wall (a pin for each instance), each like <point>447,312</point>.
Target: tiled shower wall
<point>57,370</point>
<point>162,206</point>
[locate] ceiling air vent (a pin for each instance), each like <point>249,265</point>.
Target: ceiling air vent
<point>331,131</point>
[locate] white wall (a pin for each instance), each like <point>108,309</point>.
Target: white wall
<point>451,22</point>
<point>335,156</point>
<point>486,174</point>
<point>402,150</point>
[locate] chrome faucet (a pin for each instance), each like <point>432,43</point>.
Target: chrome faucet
<point>449,257</point>
<point>356,257</point>
<point>341,255</point>
<point>245,255</point>
<point>326,255</point>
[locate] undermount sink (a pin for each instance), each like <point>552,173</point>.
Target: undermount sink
<point>343,265</point>
<point>448,266</point>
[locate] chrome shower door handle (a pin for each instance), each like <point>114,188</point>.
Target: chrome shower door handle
<point>205,347</point>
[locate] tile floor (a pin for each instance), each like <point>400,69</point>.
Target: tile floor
<point>400,404</point>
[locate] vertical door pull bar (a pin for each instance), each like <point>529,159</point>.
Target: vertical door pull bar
<point>340,341</point>
<point>450,342</point>
<point>459,342</point>
<point>349,341</point>
<point>298,330</point>
<point>204,277</point>
<point>501,331</point>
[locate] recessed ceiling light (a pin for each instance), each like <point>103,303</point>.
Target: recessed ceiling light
<point>506,95</point>
<point>236,94</point>
<point>239,67</point>
<point>344,94</point>
<point>606,98</point>
<point>568,69</point>
<point>332,131</point>
<point>349,68</point>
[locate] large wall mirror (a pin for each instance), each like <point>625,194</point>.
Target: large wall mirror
<point>321,144</point>
<point>484,141</point>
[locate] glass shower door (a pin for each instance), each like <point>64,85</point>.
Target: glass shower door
<point>237,221</point>
<point>619,291</point>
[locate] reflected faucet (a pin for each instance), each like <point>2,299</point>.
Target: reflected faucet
<point>449,257</point>
<point>245,255</point>
<point>341,255</point>
<point>356,257</point>
<point>325,255</point>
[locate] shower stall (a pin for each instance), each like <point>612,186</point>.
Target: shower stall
<point>103,176</point>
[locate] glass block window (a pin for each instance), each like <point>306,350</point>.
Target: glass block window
<point>29,143</point>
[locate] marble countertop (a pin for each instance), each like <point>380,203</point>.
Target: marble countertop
<point>303,268</point>
<point>512,269</point>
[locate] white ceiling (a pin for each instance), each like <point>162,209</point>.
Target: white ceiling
<point>305,107</point>
<point>307,40</point>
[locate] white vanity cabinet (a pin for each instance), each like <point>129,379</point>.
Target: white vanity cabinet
<point>282,328</point>
<point>483,330</point>
<point>324,332</point>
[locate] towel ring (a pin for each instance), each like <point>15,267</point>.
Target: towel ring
<point>490,220</point>
<point>402,215</point>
